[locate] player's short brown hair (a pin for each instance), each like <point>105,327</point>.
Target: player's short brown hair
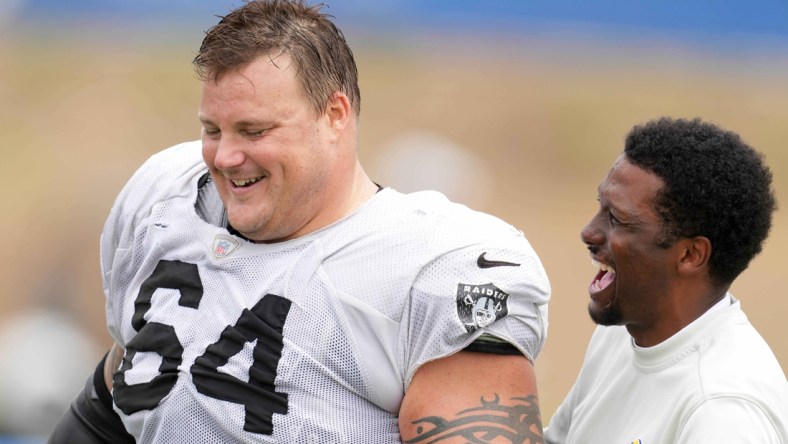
<point>272,27</point>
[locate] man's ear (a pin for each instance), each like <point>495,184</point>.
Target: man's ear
<point>338,111</point>
<point>694,254</point>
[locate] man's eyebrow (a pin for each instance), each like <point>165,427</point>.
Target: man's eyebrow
<point>629,215</point>
<point>240,124</point>
<point>248,123</point>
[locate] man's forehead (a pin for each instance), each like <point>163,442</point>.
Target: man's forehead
<point>628,185</point>
<point>278,60</point>
<point>612,175</point>
<point>626,172</point>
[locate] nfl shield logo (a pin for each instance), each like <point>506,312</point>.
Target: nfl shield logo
<point>224,245</point>
<point>480,305</point>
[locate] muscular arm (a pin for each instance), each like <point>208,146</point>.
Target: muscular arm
<point>472,397</point>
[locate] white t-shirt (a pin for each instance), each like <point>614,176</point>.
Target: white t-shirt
<point>715,381</point>
<point>310,340</point>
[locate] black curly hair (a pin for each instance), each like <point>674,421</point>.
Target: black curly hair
<point>715,185</point>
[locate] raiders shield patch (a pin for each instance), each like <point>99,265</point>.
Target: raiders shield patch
<point>480,305</point>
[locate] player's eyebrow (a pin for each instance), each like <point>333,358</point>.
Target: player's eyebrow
<point>206,121</point>
<point>631,216</point>
<point>241,124</point>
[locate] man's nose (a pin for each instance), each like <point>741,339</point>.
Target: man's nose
<point>229,153</point>
<point>592,235</point>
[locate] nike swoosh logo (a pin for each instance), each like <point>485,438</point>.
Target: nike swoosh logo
<point>482,262</point>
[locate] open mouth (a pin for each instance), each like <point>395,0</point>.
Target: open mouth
<point>603,279</point>
<point>243,183</point>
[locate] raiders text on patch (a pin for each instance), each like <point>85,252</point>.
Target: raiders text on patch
<point>480,305</point>
<point>482,262</point>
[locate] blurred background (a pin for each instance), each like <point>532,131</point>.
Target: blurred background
<point>516,108</point>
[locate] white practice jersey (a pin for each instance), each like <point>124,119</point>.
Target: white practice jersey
<point>310,340</point>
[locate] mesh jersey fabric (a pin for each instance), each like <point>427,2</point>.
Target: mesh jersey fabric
<point>310,340</point>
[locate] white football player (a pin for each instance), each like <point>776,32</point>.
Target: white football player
<point>261,288</point>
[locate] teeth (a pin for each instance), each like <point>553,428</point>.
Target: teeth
<point>245,182</point>
<point>602,266</point>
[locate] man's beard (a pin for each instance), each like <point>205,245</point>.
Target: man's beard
<point>607,316</point>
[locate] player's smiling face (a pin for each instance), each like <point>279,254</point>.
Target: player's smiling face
<point>634,272</point>
<point>268,152</point>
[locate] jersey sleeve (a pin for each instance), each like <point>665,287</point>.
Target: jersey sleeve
<point>497,289</point>
<point>126,220</point>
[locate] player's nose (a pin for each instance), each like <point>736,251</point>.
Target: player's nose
<point>229,153</point>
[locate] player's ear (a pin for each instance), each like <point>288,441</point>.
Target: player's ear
<point>338,111</point>
<point>694,254</point>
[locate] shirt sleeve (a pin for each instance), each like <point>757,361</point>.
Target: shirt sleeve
<point>729,419</point>
<point>496,290</point>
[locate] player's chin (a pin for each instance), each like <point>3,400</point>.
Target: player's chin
<point>606,315</point>
<point>245,220</point>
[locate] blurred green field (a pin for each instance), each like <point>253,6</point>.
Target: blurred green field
<point>544,119</point>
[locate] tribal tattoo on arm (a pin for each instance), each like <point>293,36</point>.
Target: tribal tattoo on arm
<point>491,422</point>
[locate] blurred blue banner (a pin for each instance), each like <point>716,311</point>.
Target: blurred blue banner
<point>694,18</point>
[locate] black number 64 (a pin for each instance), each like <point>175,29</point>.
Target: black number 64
<point>263,322</point>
